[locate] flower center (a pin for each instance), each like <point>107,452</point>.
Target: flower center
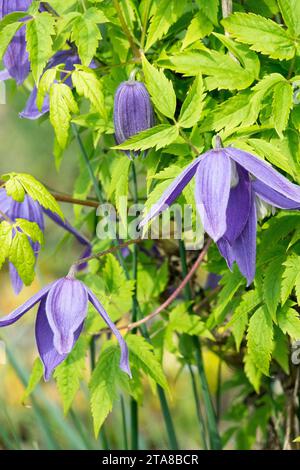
<point>263,209</point>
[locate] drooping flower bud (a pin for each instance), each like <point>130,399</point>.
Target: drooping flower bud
<point>133,110</point>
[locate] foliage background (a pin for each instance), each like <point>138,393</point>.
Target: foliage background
<point>249,97</point>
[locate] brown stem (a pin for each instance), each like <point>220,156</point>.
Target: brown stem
<point>109,250</point>
<point>126,30</point>
<point>173,296</point>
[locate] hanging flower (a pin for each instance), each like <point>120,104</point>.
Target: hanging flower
<point>229,182</point>
<point>60,319</point>
<point>31,210</point>
<point>133,110</point>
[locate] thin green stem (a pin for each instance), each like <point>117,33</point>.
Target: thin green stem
<point>168,419</point>
<point>133,403</point>
<point>126,30</point>
<point>198,408</point>
<point>147,7</point>
<point>124,423</point>
<point>214,438</point>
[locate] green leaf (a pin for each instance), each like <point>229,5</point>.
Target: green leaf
<point>15,189</point>
<point>119,185</point>
<point>239,319</point>
<point>290,274</point>
<point>272,285</point>
<point>86,35</point>
<point>70,372</point>
<point>158,137</point>
<point>34,379</point>
<point>231,282</point>
<point>252,372</point>
<point>5,240</point>
<point>166,14</point>
<point>39,33</point>
<point>87,84</point>
<point>62,104</point>
<point>264,35</point>
<point>45,83</point>
<point>260,339</point>
<point>230,113</point>
<point>223,72</point>
<point>142,357</point>
<point>31,229</point>
<point>160,89</point>
<point>21,255</point>
<point>281,352</point>
<point>35,190</point>
<point>289,322</point>
<point>210,8</point>
<point>290,10</point>
<point>199,27</point>
<point>282,105</point>
<point>193,104</point>
<point>105,381</point>
<point>6,35</point>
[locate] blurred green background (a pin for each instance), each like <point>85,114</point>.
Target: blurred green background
<point>39,422</point>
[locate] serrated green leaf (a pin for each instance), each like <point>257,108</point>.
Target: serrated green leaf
<point>44,85</point>
<point>31,229</point>
<point>166,14</point>
<point>199,27</point>
<point>6,35</point>
<point>5,240</point>
<point>263,34</point>
<point>290,10</point>
<point>193,104</point>
<point>260,339</point>
<point>159,136</point>
<point>281,106</point>
<point>210,8</point>
<point>37,191</point>
<point>39,31</point>
<point>70,372</point>
<point>88,85</point>
<point>62,104</point>
<point>291,270</point>
<point>231,282</point>
<point>143,357</point>
<point>160,88</point>
<point>222,71</point>
<point>86,35</point>
<point>289,322</point>
<point>272,285</point>
<point>21,255</point>
<point>239,319</point>
<point>105,381</point>
<point>119,185</point>
<point>15,189</point>
<point>253,374</point>
<point>34,379</point>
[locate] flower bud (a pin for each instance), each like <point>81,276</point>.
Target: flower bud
<point>133,110</point>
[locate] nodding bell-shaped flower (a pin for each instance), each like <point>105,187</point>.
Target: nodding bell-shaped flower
<point>133,110</point>
<point>228,184</point>
<point>60,319</point>
<point>31,210</point>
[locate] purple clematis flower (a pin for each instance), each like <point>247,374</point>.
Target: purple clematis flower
<point>230,183</point>
<point>15,59</point>
<point>31,210</point>
<point>133,110</point>
<point>60,320</point>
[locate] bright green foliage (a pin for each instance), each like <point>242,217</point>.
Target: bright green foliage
<point>70,372</point>
<point>158,137</point>
<point>105,383</point>
<point>16,184</point>
<point>39,33</point>
<point>34,379</point>
<point>260,339</point>
<point>21,255</point>
<point>87,85</point>
<point>157,81</point>
<point>262,34</point>
<point>86,34</point>
<point>192,106</point>
<point>166,14</point>
<point>62,105</point>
